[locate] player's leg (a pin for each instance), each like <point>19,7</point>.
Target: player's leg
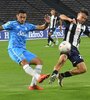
<point>19,55</point>
<point>56,37</point>
<point>28,69</point>
<point>34,60</point>
<point>52,31</point>
<point>79,69</point>
<point>50,39</point>
<point>57,67</point>
<point>78,63</point>
<point>37,69</point>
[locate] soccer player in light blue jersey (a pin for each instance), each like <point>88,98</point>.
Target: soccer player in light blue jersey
<point>18,31</point>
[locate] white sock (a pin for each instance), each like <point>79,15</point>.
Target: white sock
<point>30,71</point>
<point>56,40</point>
<point>38,70</point>
<point>50,43</point>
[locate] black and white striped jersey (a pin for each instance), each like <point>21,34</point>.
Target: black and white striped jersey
<point>73,32</point>
<point>53,21</point>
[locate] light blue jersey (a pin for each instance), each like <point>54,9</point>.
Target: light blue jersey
<point>17,40</point>
<point>18,33</point>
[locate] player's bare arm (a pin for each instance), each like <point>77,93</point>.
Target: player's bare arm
<point>60,25</point>
<point>42,27</point>
<point>1,28</point>
<point>64,17</point>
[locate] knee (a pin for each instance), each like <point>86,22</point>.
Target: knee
<point>39,62</point>
<point>63,58</point>
<point>83,69</point>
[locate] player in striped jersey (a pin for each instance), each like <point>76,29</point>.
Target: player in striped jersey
<point>74,28</point>
<point>54,19</point>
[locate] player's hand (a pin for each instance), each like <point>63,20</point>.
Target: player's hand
<point>72,20</point>
<point>47,18</point>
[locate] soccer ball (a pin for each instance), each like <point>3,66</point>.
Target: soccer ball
<point>64,47</point>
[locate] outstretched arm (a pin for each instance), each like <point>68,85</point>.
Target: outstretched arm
<point>66,18</point>
<point>44,26</point>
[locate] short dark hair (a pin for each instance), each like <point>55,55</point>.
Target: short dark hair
<point>85,11</point>
<point>52,9</point>
<point>21,11</point>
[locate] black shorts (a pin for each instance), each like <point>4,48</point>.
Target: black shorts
<point>51,30</point>
<point>74,56</point>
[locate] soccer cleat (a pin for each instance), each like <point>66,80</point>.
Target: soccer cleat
<point>47,45</point>
<point>31,87</point>
<point>53,44</point>
<point>60,80</point>
<point>52,78</point>
<point>35,87</point>
<point>43,77</point>
<point>38,87</point>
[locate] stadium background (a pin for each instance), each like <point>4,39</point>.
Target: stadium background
<point>36,10</point>
<point>13,80</point>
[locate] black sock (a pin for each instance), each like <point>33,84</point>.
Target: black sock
<point>55,72</point>
<point>51,39</point>
<point>66,74</point>
<point>48,39</point>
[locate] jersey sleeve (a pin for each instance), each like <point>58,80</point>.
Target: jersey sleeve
<point>87,31</point>
<point>31,27</point>
<point>7,25</point>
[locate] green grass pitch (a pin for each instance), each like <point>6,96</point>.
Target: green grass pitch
<point>14,81</point>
